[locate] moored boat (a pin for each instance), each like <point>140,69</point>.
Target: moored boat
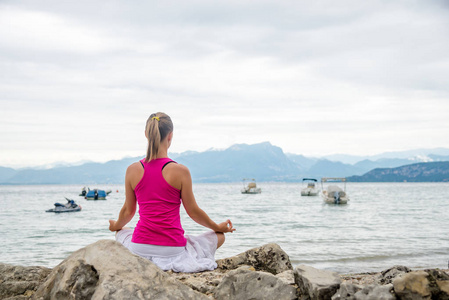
<point>311,188</point>
<point>97,194</point>
<point>334,194</point>
<point>251,187</point>
<point>84,191</point>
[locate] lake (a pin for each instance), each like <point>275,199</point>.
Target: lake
<point>384,224</point>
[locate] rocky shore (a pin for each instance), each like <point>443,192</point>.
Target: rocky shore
<point>107,270</point>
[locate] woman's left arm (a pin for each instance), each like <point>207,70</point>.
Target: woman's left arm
<point>194,211</point>
<point>129,207</point>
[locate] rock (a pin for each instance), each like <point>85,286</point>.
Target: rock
<point>366,278</point>
<point>376,292</point>
<point>269,258</point>
<point>413,285</point>
<point>387,276</point>
<point>107,270</point>
<point>243,283</point>
<point>433,281</point>
<point>287,276</point>
<point>350,291</point>
<point>346,291</point>
<point>204,282</point>
<point>19,281</point>
<point>427,284</point>
<point>317,284</point>
<point>439,283</point>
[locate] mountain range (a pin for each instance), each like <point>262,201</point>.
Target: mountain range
<point>419,172</point>
<point>263,161</point>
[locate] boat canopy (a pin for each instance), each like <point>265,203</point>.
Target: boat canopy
<point>325,179</point>
<point>311,179</point>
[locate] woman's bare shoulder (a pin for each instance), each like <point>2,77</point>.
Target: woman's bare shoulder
<point>135,169</point>
<point>135,166</point>
<point>179,168</point>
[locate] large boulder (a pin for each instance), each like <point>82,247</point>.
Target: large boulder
<point>19,281</point>
<point>316,284</point>
<point>246,283</point>
<point>425,284</point>
<point>269,258</point>
<point>107,270</point>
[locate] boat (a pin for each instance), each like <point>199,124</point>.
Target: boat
<point>251,187</point>
<point>311,188</point>
<point>334,194</point>
<point>70,206</point>
<point>97,194</point>
<point>84,191</point>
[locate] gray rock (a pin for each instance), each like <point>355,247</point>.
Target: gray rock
<point>287,276</point>
<point>427,284</point>
<point>269,258</point>
<point>350,291</point>
<point>204,282</point>
<point>387,276</point>
<point>107,270</point>
<point>347,291</point>
<point>246,284</point>
<point>316,284</point>
<point>376,292</point>
<point>19,281</point>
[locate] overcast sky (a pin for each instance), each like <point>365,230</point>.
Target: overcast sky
<point>79,79</point>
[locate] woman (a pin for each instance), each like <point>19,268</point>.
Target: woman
<point>159,185</point>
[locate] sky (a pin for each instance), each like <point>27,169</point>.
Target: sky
<point>80,78</point>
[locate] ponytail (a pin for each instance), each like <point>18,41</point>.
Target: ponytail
<point>158,126</point>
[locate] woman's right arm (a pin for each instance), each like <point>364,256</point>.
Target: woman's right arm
<point>129,207</point>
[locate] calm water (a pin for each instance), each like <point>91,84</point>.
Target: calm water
<point>384,224</point>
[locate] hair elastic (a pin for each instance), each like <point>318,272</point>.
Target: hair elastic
<point>157,118</point>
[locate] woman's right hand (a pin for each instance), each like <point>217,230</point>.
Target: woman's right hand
<point>225,226</point>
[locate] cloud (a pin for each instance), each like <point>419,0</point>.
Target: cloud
<point>79,79</point>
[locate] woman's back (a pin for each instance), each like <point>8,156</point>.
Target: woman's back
<point>159,204</point>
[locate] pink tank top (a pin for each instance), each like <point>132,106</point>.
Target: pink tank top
<point>159,204</point>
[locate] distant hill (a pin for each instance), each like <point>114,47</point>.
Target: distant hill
<point>263,161</point>
<point>6,173</point>
<point>90,173</point>
<point>419,172</point>
<point>416,155</point>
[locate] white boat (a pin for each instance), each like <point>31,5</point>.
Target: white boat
<point>334,194</point>
<point>310,189</point>
<point>251,187</point>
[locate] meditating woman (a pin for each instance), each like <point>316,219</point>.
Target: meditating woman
<point>159,185</point>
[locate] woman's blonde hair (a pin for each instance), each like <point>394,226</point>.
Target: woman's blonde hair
<point>158,126</point>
